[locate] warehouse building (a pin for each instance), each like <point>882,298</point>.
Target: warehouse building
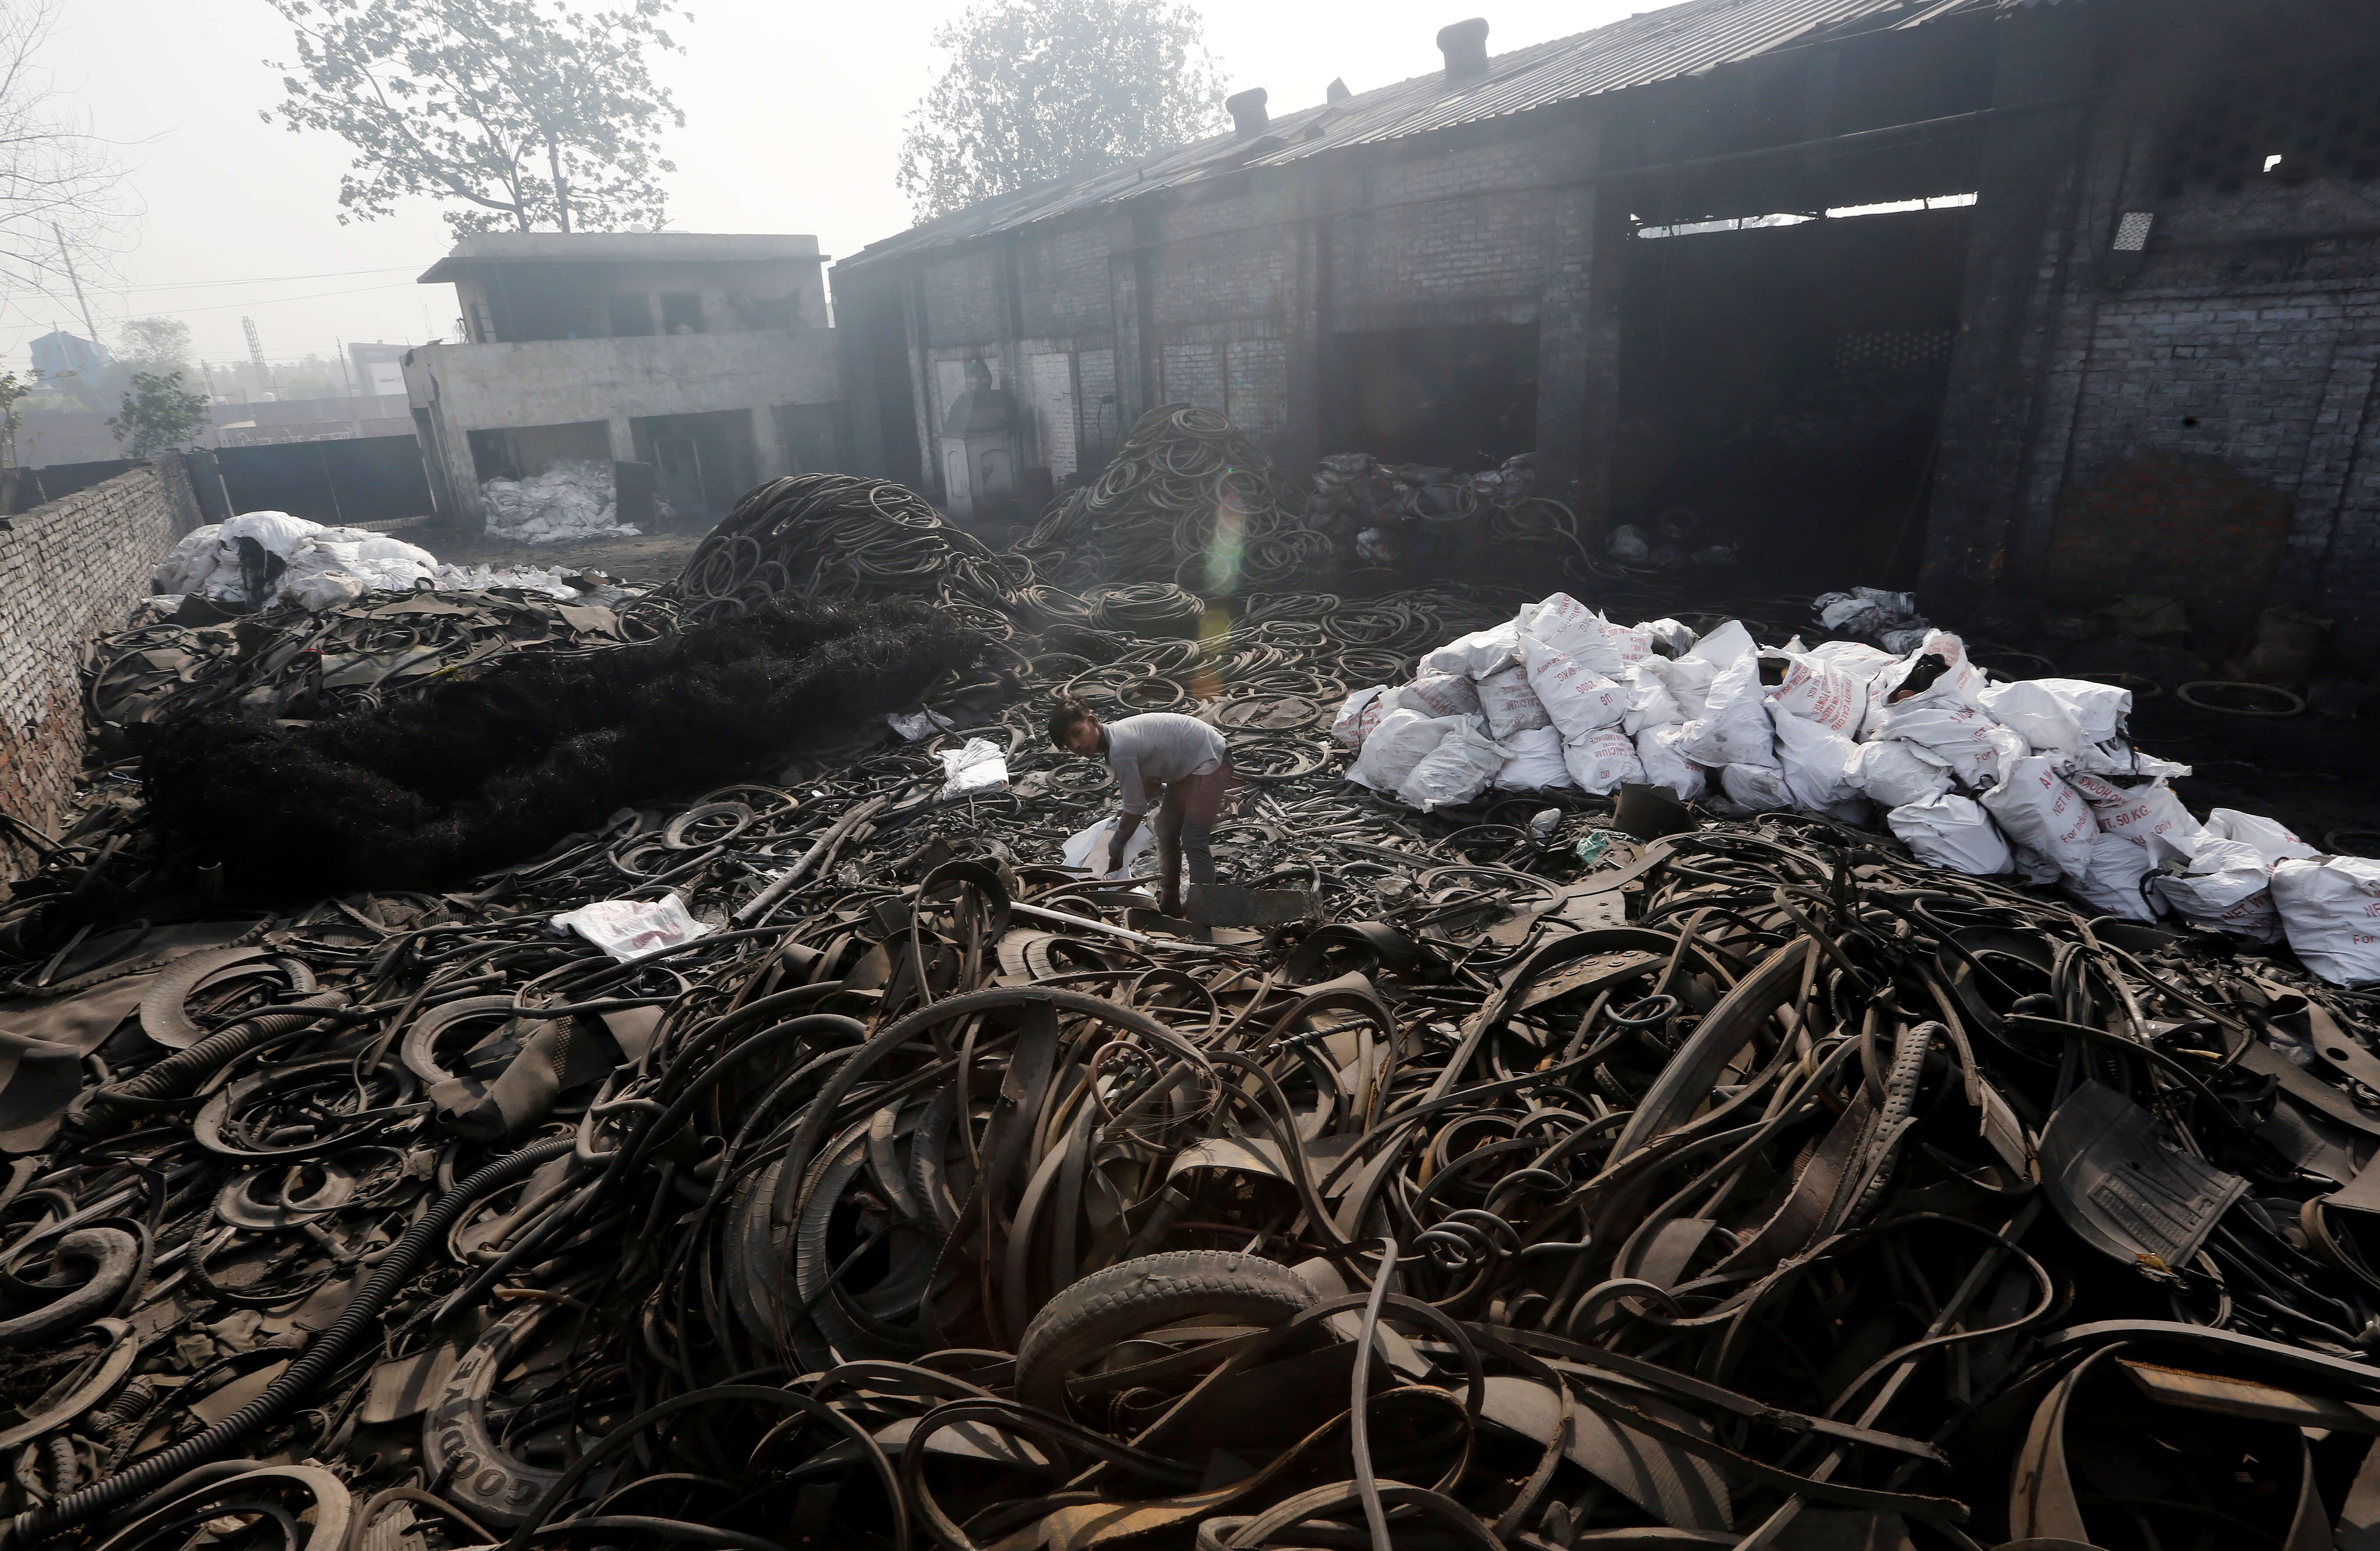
<point>2020,295</point>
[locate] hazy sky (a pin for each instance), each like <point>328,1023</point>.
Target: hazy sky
<point>793,120</point>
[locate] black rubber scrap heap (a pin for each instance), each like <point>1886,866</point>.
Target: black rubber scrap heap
<point>1550,1187</point>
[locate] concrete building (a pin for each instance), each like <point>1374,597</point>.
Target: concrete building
<point>709,357</point>
<point>2063,298</point>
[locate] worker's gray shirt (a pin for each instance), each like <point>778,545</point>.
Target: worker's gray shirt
<point>1159,747</point>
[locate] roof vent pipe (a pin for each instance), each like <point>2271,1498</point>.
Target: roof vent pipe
<point>1465,44</point>
<point>1247,110</point>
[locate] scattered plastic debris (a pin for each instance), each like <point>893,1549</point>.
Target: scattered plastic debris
<point>975,769</point>
<point>632,929</point>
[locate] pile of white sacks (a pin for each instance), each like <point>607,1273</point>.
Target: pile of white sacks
<point>322,568</point>
<point>2034,777</point>
<point>566,504</point>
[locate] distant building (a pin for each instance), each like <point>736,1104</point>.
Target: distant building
<point>710,357</point>
<point>379,368</point>
<point>58,353</point>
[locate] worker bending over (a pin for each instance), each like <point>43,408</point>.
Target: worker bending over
<point>1182,754</point>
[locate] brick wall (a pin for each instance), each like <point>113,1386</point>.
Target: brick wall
<point>1247,288</point>
<point>70,570</point>
<point>2199,419</point>
<point>1456,259</point>
<point>963,299</point>
<point>1237,288</point>
<point>2260,376</point>
<point>2219,398</point>
<point>2174,526</point>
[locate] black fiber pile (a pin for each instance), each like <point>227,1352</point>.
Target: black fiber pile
<point>426,790</point>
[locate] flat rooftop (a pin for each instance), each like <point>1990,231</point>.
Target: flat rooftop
<point>485,249</point>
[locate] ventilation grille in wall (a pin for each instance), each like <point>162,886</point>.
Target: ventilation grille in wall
<point>2289,122</point>
<point>1891,350</point>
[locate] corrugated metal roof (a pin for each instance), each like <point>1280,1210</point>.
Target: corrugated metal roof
<point>1677,41</point>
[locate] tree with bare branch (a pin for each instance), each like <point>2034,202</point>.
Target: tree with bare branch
<point>61,204</point>
<point>522,114</point>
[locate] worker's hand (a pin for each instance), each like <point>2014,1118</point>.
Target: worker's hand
<point>1115,856</point>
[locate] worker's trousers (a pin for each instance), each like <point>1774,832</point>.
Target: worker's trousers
<point>1190,808</point>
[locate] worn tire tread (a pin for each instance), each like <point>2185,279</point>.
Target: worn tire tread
<point>1122,1300</point>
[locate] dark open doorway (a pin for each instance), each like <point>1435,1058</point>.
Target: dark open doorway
<point>1458,397</point>
<point>887,335</point>
<point>1784,385</point>
<point>703,462</point>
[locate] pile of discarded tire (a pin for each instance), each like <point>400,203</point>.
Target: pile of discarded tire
<point>885,1182</point>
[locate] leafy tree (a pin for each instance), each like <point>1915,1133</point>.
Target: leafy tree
<point>1043,89</point>
<point>525,115</point>
<point>12,420</point>
<point>153,344</point>
<point>62,398</point>
<point>313,378</point>
<point>158,414</point>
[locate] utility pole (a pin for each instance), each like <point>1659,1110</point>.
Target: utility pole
<point>76,280</point>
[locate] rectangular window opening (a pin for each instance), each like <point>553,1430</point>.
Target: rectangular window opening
<point>1739,223</point>
<point>632,317</point>
<point>681,313</point>
<point>1894,207</point>
<point>1796,218</point>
